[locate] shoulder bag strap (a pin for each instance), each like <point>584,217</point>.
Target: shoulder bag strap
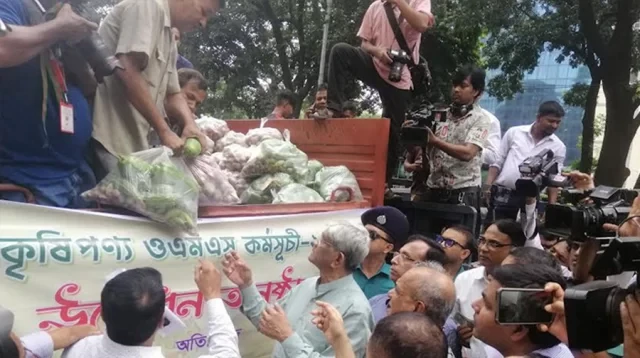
<point>395,26</point>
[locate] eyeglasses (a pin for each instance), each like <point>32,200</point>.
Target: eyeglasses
<point>403,256</point>
<point>574,245</point>
<point>491,244</point>
<point>448,243</point>
<point>375,236</point>
<point>551,248</point>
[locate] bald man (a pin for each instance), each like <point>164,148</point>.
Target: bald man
<point>425,289</point>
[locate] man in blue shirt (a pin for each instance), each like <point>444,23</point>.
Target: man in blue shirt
<point>41,148</point>
<point>388,228</point>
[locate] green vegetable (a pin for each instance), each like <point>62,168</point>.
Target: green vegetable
<point>192,148</point>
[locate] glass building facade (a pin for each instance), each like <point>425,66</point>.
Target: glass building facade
<point>548,82</point>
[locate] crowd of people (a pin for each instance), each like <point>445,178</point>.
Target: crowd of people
<point>380,293</point>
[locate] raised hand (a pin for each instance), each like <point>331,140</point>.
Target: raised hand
<point>236,270</point>
<point>329,321</point>
<point>208,279</point>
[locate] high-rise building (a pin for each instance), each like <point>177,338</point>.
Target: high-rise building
<point>548,82</point>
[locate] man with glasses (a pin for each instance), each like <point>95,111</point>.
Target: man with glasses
<point>559,247</point>
<point>457,242</point>
<point>388,228</point>
<point>417,249</point>
<point>493,247</point>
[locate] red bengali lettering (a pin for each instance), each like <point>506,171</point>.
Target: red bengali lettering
<point>70,312</point>
<point>185,304</point>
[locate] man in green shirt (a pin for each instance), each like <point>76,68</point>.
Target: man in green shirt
<point>340,249</point>
<point>388,229</point>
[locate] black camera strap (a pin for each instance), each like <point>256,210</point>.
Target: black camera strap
<point>395,26</point>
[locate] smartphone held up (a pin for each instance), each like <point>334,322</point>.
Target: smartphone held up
<point>523,306</point>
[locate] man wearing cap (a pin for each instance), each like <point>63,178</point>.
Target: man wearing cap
<point>388,227</point>
<point>39,344</point>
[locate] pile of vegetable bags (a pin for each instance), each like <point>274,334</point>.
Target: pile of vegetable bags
<point>261,167</point>
<point>264,167</point>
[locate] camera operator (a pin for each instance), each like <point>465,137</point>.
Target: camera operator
<point>518,144</point>
<point>372,63</point>
<point>455,150</point>
<point>131,103</point>
<point>37,151</point>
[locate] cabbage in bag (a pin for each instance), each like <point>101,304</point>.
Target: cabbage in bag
<point>154,184</point>
<point>296,193</point>
<point>260,190</point>
<point>339,180</point>
<point>277,156</point>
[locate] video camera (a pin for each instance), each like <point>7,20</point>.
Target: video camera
<point>592,310</point>
<point>607,206</point>
<point>538,172</point>
<point>95,52</point>
<point>414,131</point>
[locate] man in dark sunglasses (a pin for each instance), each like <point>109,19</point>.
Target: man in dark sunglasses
<point>388,228</point>
<point>456,242</point>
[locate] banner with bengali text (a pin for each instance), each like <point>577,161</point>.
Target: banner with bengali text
<point>54,263</point>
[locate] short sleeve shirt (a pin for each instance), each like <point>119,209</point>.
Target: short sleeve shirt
<point>376,29</point>
<point>141,27</point>
<point>448,172</point>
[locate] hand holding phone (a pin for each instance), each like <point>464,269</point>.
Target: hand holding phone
<point>523,306</point>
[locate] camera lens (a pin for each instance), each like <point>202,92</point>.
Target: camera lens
<point>614,320</point>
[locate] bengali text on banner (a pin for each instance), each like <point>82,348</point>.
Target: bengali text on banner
<point>54,263</point>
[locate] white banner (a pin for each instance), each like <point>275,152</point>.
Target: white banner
<point>54,263</point>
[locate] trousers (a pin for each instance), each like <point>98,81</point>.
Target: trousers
<point>347,61</point>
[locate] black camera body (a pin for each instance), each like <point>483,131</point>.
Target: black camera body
<point>102,61</point>
<point>415,132</point>
<point>592,309</point>
<point>538,172</point>
<point>400,58</point>
<point>610,206</point>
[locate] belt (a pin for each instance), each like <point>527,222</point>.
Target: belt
<point>452,193</point>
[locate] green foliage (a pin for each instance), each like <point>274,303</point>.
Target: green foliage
<point>453,42</point>
<point>255,47</point>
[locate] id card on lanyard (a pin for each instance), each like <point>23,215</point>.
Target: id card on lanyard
<point>66,108</point>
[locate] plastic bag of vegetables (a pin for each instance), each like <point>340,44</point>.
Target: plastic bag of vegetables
<point>313,167</point>
<point>258,135</point>
<point>260,190</point>
<point>277,156</point>
<point>338,184</point>
<point>238,181</point>
<point>230,138</point>
<point>212,127</point>
<point>235,157</point>
<point>296,193</point>
<point>215,188</point>
<point>154,184</point>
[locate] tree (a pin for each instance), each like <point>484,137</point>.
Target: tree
<point>255,47</point>
<point>596,33</point>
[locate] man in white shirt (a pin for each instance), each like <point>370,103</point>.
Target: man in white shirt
<point>490,151</point>
<point>493,247</point>
<point>39,344</point>
<point>133,305</point>
<point>518,144</point>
